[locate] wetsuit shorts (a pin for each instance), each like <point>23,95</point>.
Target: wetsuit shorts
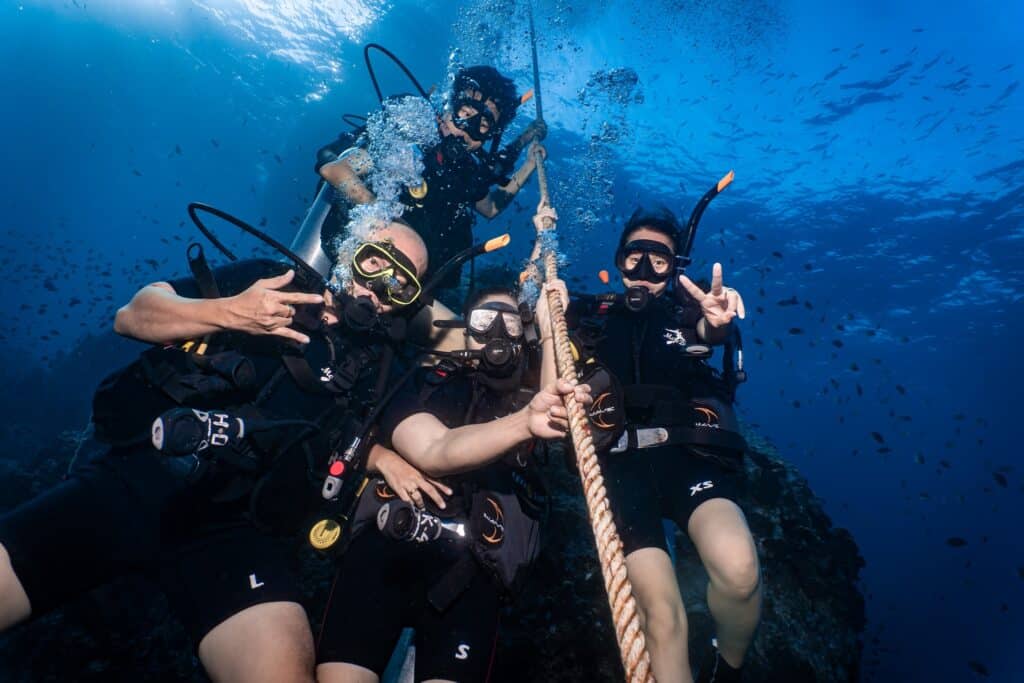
<point>382,587</point>
<point>111,517</point>
<point>651,484</point>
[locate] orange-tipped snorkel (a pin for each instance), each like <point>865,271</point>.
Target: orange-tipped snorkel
<point>725,181</point>
<point>683,257</point>
<point>602,275</point>
<point>496,243</point>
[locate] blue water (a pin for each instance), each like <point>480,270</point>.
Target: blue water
<point>879,158</point>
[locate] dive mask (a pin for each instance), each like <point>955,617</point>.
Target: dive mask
<point>483,322</point>
<point>384,270</point>
<point>651,261</point>
<point>480,126</point>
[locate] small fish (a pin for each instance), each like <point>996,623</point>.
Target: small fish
<point>751,237</point>
<point>978,668</point>
<point>278,160</point>
<point>136,172</point>
<point>837,343</point>
<point>900,388</point>
<point>956,542</point>
<point>214,142</point>
<point>919,459</point>
<point>1000,479</point>
<point>917,30</point>
<point>777,254</point>
<point>877,437</point>
<point>860,390</point>
<point>854,367</point>
<point>795,330</point>
<point>791,301</point>
<point>808,266</point>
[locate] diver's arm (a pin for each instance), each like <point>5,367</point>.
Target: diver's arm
<point>159,315</point>
<point>431,447</point>
<point>501,196</point>
<point>345,175</point>
<point>428,445</point>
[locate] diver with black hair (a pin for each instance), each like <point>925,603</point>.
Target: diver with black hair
<point>443,566</point>
<point>667,437</point>
<point>460,175</point>
<point>215,438</point>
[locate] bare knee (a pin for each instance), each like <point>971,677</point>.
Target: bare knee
<point>14,602</point>
<point>663,620</point>
<point>270,642</point>
<point>737,576</point>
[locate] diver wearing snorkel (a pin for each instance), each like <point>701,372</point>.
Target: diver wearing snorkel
<point>459,172</point>
<point>667,437</point>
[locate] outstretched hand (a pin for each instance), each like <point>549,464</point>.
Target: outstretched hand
<point>547,416</point>
<point>264,310</point>
<point>721,304</point>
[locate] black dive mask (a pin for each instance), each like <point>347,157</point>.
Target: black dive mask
<point>499,327</point>
<point>646,269</point>
<point>480,126</point>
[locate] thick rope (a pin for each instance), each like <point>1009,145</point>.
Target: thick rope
<point>632,645</point>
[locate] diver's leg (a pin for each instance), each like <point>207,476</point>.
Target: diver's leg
<point>14,603</point>
<point>723,540</point>
<point>459,643</point>
<point>338,672</point>
<point>632,481</point>
<point>365,615</point>
<point>236,591</point>
<point>269,642</point>
<point>71,538</point>
<point>662,615</point>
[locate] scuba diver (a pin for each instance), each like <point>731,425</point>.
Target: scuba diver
<point>442,566</point>
<point>211,448</point>
<point>459,172</point>
<point>667,437</point>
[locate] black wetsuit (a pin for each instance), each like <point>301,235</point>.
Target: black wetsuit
<point>386,585</point>
<point>123,511</point>
<point>644,350</point>
<point>442,212</point>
